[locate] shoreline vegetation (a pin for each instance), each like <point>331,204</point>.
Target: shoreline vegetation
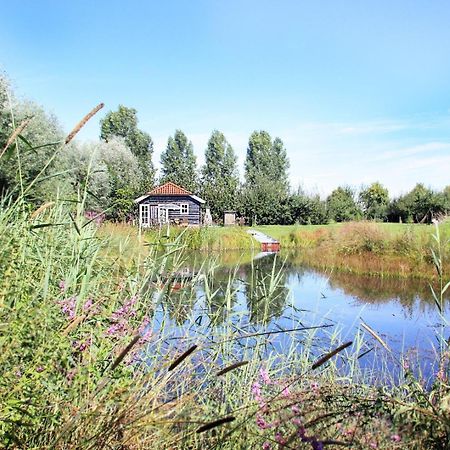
<point>362,248</point>
<point>91,355</point>
<point>88,360</point>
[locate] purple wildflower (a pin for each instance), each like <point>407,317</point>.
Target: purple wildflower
<point>117,328</point>
<point>39,369</point>
<point>82,346</point>
<point>280,439</point>
<point>68,306</point>
<point>265,376</point>
<point>266,446</point>
<point>62,286</point>
<point>126,310</point>
<point>256,391</point>
<point>145,331</point>
<point>88,305</point>
<point>261,423</point>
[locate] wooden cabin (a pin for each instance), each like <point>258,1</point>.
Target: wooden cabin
<point>169,203</point>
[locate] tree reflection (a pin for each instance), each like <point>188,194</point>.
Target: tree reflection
<point>265,289</point>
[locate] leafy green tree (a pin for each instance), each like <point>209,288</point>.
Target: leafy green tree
<point>420,205</point>
<point>374,200</point>
<point>124,123</point>
<point>341,205</point>
<point>179,163</point>
<point>266,179</point>
<point>220,179</point>
<point>109,173</point>
<point>446,197</point>
<point>307,209</point>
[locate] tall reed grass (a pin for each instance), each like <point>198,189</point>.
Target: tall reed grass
<point>98,351</point>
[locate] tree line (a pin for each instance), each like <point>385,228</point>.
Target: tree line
<point>117,168</point>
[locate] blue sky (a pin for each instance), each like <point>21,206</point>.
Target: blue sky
<point>358,91</point>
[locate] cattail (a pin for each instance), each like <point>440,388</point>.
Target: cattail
<point>325,358</point>
<point>42,208</point>
<point>124,352</point>
<point>375,335</point>
<point>82,123</point>
<point>232,367</point>
<point>182,357</point>
<point>16,133</point>
<point>215,423</point>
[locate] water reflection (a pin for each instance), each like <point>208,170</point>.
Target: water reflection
<point>268,291</point>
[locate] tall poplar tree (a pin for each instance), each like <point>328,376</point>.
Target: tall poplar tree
<point>266,178</point>
<point>178,162</point>
<point>220,178</point>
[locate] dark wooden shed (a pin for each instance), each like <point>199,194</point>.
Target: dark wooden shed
<point>169,203</point>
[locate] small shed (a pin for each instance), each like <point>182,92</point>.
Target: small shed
<point>229,218</point>
<point>169,203</point>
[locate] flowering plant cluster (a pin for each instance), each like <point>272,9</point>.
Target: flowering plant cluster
<point>306,414</point>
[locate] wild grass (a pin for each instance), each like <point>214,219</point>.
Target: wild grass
<point>99,351</point>
<point>92,358</point>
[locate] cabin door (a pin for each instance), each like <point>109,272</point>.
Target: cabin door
<point>163,215</point>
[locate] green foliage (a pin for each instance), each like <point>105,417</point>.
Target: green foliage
<point>341,205</point>
<point>266,186</point>
<point>420,205</point>
<point>179,163</point>
<point>307,209</point>
<point>124,123</point>
<point>24,160</point>
<point>374,200</point>
<point>220,180</point>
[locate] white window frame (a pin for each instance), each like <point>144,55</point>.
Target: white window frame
<point>144,214</point>
<point>187,209</point>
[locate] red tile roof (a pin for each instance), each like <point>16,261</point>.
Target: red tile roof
<point>169,189</point>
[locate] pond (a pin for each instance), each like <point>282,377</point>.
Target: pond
<point>269,292</point>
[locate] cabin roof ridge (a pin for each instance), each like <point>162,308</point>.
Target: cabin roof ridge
<point>169,188</point>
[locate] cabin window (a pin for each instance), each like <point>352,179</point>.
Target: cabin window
<point>184,208</point>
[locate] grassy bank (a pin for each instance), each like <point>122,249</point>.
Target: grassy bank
<point>364,248</point>
<point>88,362</point>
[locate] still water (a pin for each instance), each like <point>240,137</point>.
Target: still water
<point>280,292</point>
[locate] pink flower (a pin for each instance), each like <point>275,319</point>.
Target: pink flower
<point>266,446</point>
<point>262,424</point>
<point>88,304</point>
<point>396,438</point>
<point>62,286</point>
<point>145,331</point>
<point>296,421</point>
<point>256,391</point>
<point>280,439</point>
<point>265,376</point>
<point>82,346</point>
<point>68,306</point>
<point>285,392</point>
<point>118,328</point>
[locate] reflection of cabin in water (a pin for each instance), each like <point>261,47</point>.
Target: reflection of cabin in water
<point>169,203</point>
